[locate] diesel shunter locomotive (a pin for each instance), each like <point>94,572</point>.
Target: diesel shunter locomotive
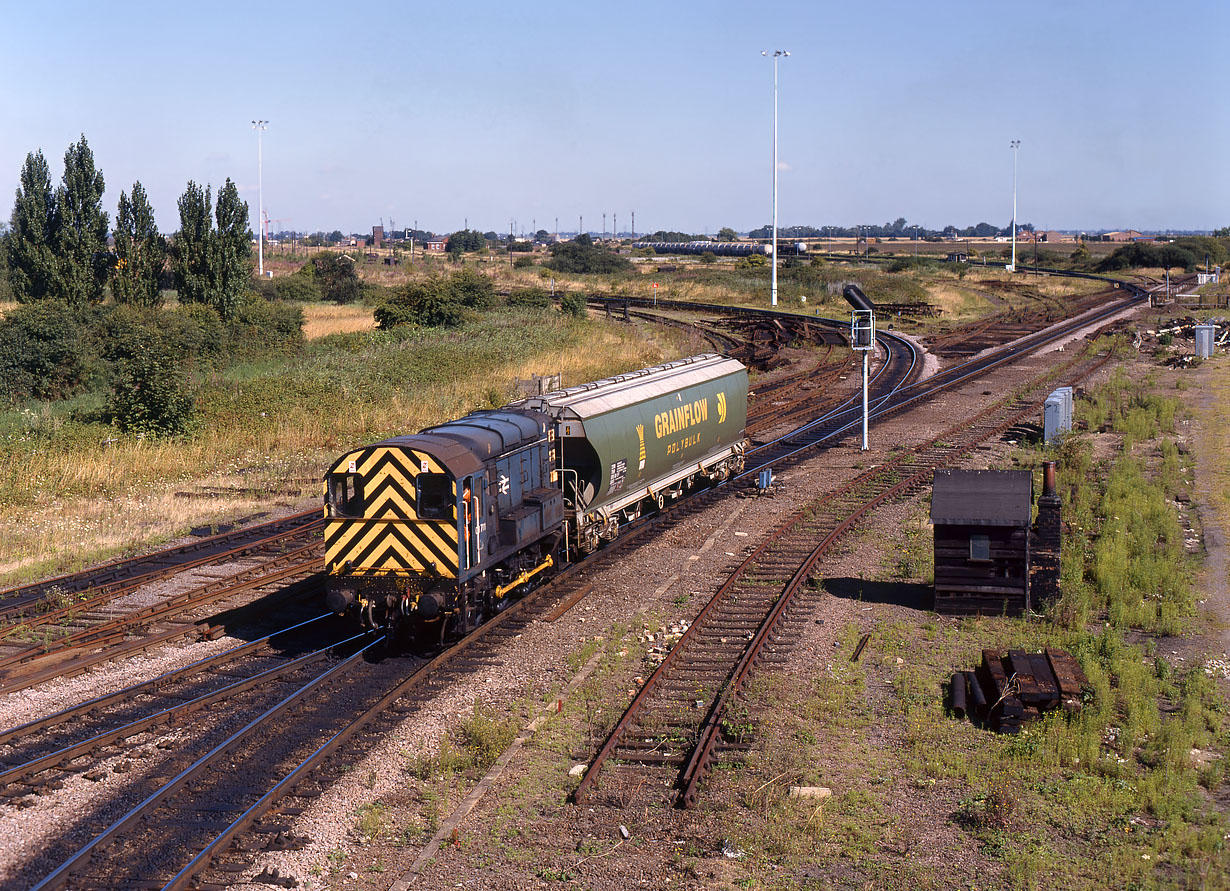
<point>439,529</point>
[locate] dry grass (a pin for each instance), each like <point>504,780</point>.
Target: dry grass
<point>957,302</point>
<point>322,319</point>
<point>7,307</point>
<point>85,501</point>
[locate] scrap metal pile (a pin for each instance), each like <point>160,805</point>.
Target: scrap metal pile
<point>1012,688</point>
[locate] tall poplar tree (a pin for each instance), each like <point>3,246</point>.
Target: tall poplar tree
<point>212,265</point>
<point>190,246</point>
<point>232,249</point>
<point>32,231</point>
<point>140,251</point>
<point>81,243</point>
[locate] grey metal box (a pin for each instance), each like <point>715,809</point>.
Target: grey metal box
<point>1205,335</point>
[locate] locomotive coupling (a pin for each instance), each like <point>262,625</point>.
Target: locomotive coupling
<point>424,606</point>
<point>339,600</point>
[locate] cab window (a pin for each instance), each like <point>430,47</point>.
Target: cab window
<point>346,495</point>
<point>434,496</point>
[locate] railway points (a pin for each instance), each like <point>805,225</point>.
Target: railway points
<point>798,446</point>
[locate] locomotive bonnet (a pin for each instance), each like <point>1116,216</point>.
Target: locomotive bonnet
<point>440,529</point>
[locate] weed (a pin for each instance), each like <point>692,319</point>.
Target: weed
<point>371,821</point>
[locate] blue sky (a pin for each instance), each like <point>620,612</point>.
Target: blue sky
<point>495,112</point>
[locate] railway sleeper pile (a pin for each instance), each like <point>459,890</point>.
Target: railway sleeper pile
<point>1011,688</point>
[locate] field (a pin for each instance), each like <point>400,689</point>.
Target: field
<point>75,491</point>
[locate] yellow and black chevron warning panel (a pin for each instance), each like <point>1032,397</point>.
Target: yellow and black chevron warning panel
<point>385,547</point>
<point>389,537</point>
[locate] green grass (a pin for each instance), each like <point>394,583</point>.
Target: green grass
<point>1109,797</point>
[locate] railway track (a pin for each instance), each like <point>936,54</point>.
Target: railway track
<point>126,574</point>
<point>676,720</point>
<point>76,739</point>
<point>191,821</point>
<point>247,787</point>
<point>78,640</point>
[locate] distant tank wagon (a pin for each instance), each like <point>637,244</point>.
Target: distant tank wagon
<point>718,248</point>
<point>440,529</point>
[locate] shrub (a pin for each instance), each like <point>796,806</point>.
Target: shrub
<point>392,315</point>
<point>472,289</point>
<point>301,288</point>
<point>523,262</point>
<point>430,303</point>
<point>336,277</point>
<point>708,257</point>
<point>149,394</point>
<point>260,325</point>
<point>581,255</point>
<point>41,352</point>
<point>572,303</point>
<point>531,297</point>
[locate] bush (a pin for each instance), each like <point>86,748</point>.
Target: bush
<point>260,325</point>
<point>336,277</point>
<point>197,329</point>
<point>581,255</point>
<point>298,288</point>
<point>573,304</point>
<point>472,289</point>
<point>150,395</point>
<point>708,257</point>
<point>536,298</point>
<point>41,352</point>
<point>1139,254</point>
<point>523,262</point>
<point>432,304</point>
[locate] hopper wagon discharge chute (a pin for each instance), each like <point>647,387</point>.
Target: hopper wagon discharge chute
<point>440,529</point>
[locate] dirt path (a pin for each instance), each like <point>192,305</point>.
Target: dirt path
<point>1209,438</point>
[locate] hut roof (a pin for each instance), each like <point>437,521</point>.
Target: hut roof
<point>982,497</point>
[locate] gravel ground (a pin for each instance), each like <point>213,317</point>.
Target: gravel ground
<point>662,584</point>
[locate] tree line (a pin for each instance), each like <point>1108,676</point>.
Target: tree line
<point>68,338</point>
<point>56,247</point>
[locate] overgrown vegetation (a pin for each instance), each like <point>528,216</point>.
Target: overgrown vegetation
<point>1117,795</point>
<point>584,257</point>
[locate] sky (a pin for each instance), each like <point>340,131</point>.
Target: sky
<point>505,115</point>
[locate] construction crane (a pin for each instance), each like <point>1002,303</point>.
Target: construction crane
<point>268,221</point>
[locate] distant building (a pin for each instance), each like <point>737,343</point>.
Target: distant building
<point>377,236</point>
<point>1128,235</point>
<point>1052,237</point>
<point>436,245</point>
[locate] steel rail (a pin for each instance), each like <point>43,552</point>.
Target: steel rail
<point>292,563</point>
<point>75,750</point>
<point>697,766</point>
<point>61,875</point>
<point>126,569</point>
<point>702,752</point>
<point>69,667</point>
<point>152,686</point>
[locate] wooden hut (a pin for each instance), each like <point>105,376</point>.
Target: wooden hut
<point>982,529</point>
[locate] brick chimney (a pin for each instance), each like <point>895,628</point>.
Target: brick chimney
<point>1047,538</point>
